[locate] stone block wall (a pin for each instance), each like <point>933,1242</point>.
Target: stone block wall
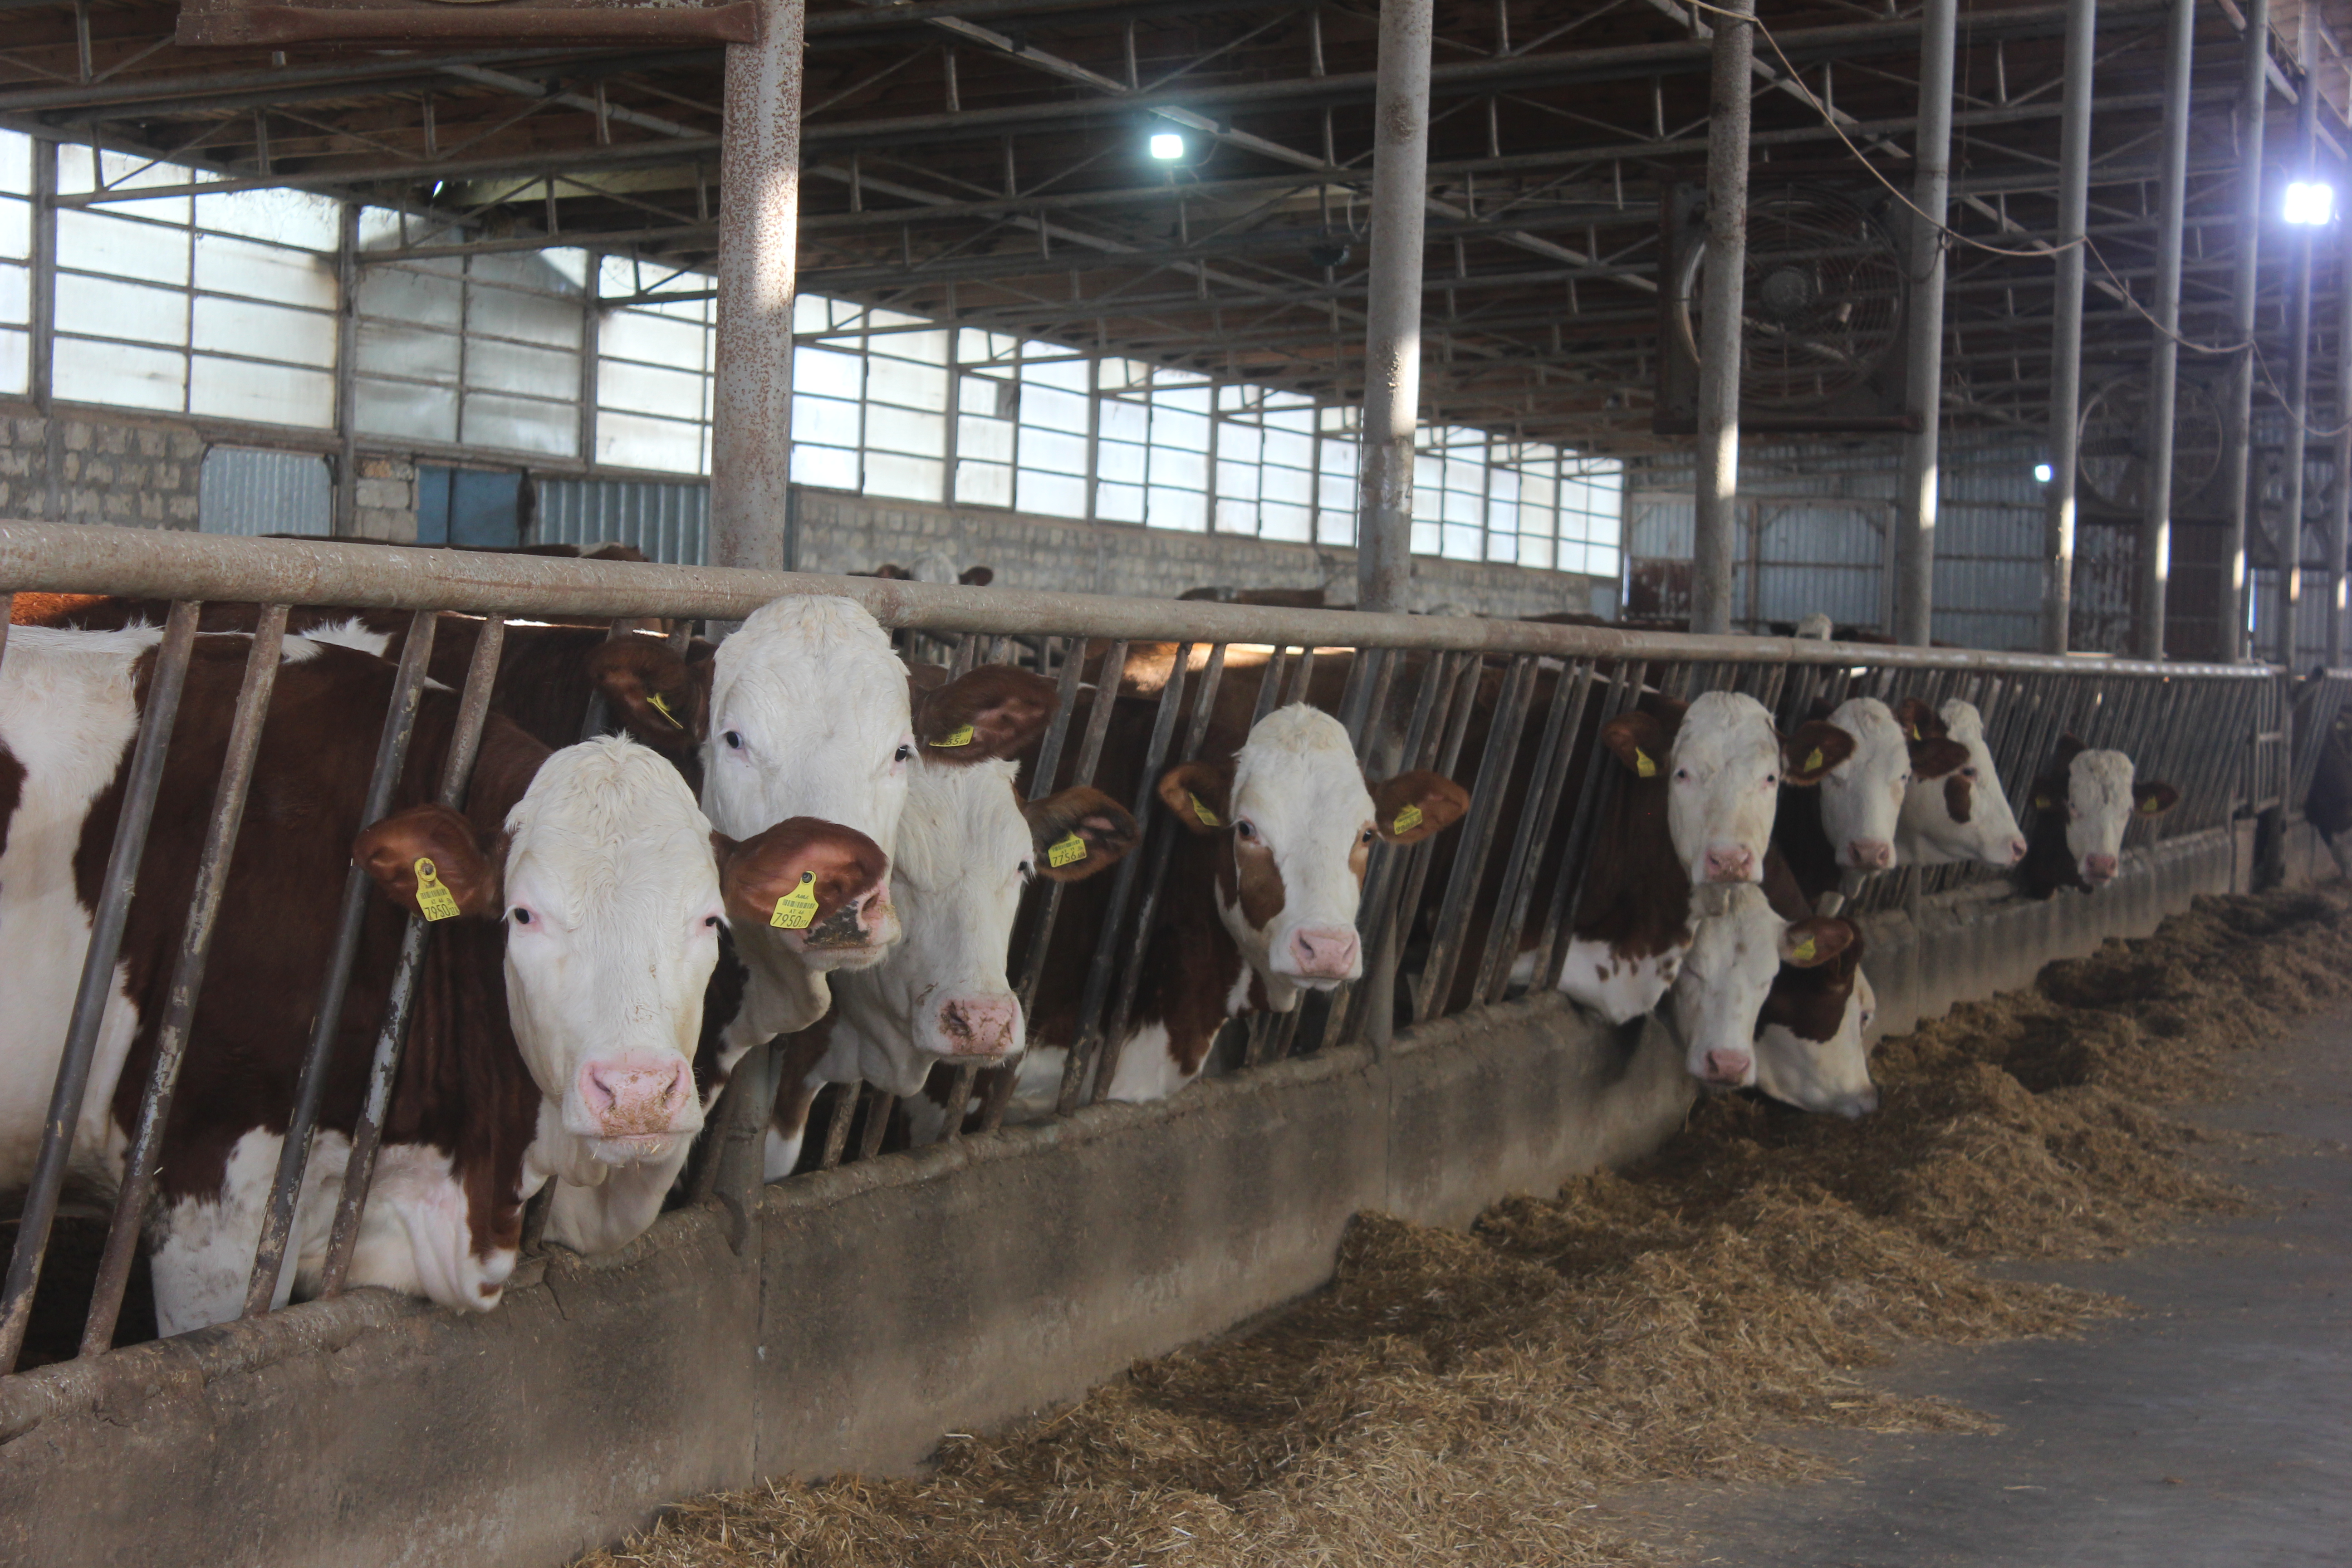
<point>387,500</point>
<point>141,473</point>
<point>836,531</point>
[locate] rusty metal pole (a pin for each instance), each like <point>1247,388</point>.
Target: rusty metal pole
<point>2163,360</point>
<point>1723,300</point>
<point>759,218</point>
<point>1392,325</point>
<point>2066,345</point>
<point>2238,418</point>
<point>1931,187</point>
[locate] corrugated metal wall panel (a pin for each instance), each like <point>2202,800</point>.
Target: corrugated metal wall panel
<point>252,490</point>
<point>668,521</point>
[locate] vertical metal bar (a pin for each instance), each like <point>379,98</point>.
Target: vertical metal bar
<point>879,1107</point>
<point>2339,501</point>
<point>1624,692</point>
<point>142,780</point>
<point>1414,874</point>
<point>346,521</point>
<point>2067,332</point>
<point>1506,728</point>
<point>837,1127</point>
<point>367,1136</point>
<point>1554,755</point>
<point>1915,539</point>
<point>1723,301</point>
<point>187,980</point>
<point>294,1153</point>
<point>43,287</point>
<point>2238,417</point>
<point>1392,310</point>
<point>2288,585</point>
<point>1090,747</point>
<point>759,169</point>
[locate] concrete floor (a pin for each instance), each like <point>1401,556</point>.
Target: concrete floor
<point>2213,1429</point>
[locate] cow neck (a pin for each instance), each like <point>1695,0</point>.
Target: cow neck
<point>2048,865</point>
<point>1637,894</point>
<point>1193,970</point>
<point>1801,840</point>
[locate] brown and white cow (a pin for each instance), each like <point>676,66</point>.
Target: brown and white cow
<point>555,1017</point>
<point>1813,1045</point>
<point>1259,904</point>
<point>1731,970</point>
<point>1963,814</point>
<point>1697,808</point>
<point>2081,806</point>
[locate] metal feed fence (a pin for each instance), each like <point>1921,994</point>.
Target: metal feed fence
<point>1507,709</point>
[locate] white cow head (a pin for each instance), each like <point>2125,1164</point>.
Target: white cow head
<point>611,887</point>
<point>2092,796</point>
<point>1861,797</point>
<point>968,844</point>
<point>1958,812</point>
<point>1729,972</point>
<point>1720,765</point>
<point>1297,820</point>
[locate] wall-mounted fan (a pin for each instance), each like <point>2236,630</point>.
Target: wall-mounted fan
<point>1822,339</point>
<point>2112,446</point>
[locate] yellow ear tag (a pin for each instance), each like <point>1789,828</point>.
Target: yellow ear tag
<point>1813,762</point>
<point>434,901</point>
<point>962,737</point>
<point>1803,952</point>
<point>1915,732</point>
<point>1642,766</point>
<point>1208,818</point>
<point>2151,806</point>
<point>1063,851</point>
<point>662,707</point>
<point>796,908</point>
<point>2043,803</point>
<point>1406,821</point>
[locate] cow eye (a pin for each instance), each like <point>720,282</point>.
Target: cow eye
<point>903,753</point>
<point>1367,836</point>
<point>1682,775</point>
<point>1970,771</point>
<point>711,920</point>
<point>521,915</point>
<point>734,739</point>
<point>1243,828</point>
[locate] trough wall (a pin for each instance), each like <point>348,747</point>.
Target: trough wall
<point>863,1311</point>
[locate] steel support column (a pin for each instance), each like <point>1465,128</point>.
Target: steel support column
<point>2155,516</point>
<point>1915,539</point>
<point>1393,324</point>
<point>760,192</point>
<point>2339,511</point>
<point>346,514</point>
<point>2238,415</point>
<point>1722,303</point>
<point>2066,334</point>
<point>2287,601</point>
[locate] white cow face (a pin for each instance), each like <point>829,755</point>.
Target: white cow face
<point>1722,764</point>
<point>1298,822</point>
<point>611,887</point>
<point>2100,798</point>
<point>1861,797</point>
<point>1962,814</point>
<point>968,844</point>
<point>1728,974</point>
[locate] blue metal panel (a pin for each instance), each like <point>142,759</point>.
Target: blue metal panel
<point>250,490</point>
<point>669,521</point>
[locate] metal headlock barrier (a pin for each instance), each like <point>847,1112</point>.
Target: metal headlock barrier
<point>1507,709</point>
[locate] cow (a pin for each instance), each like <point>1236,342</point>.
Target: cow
<point>1813,1046</point>
<point>1732,967</point>
<point>1259,903</point>
<point>1846,828</point>
<point>1962,814</point>
<point>537,1052</point>
<point>2082,804</point>
<point>968,845</point>
<point>1697,808</point>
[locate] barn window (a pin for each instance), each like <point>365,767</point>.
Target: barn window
<point>16,257</point>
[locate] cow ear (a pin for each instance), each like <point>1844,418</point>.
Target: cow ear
<point>2069,748</point>
<point>1816,940</point>
<point>428,861</point>
<point>1935,757</point>
<point>1199,795</point>
<point>822,864</point>
<point>1077,833</point>
<point>977,576</point>
<point>1919,722</point>
<point>1807,756</point>
<point>659,698</point>
<point>1640,741</point>
<point>1411,806</point>
<point>2154,799</point>
<point>994,711</point>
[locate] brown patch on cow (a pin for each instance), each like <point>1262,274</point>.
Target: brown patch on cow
<point>995,711</point>
<point>1811,1002</point>
<point>1959,797</point>
<point>1919,720</point>
<point>1813,753</point>
<point>1261,892</point>
<point>1635,898</point>
<point>1935,758</point>
<point>11,791</point>
<point>660,696</point>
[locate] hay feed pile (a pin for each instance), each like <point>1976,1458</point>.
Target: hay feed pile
<point>1461,1399</point>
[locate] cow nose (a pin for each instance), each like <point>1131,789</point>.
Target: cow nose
<point>1735,864</point>
<point>979,1026</point>
<point>1730,1068</point>
<point>2098,867</point>
<point>637,1094</point>
<point>2016,850</point>
<point>1324,953</point>
<point>1870,854</point>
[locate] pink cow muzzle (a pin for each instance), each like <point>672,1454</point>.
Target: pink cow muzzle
<point>2098,870</point>
<point>1870,855</point>
<point>1728,1069</point>
<point>1731,863</point>
<point>638,1101</point>
<point>979,1026</point>
<point>1324,953</point>
<point>2016,850</point>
